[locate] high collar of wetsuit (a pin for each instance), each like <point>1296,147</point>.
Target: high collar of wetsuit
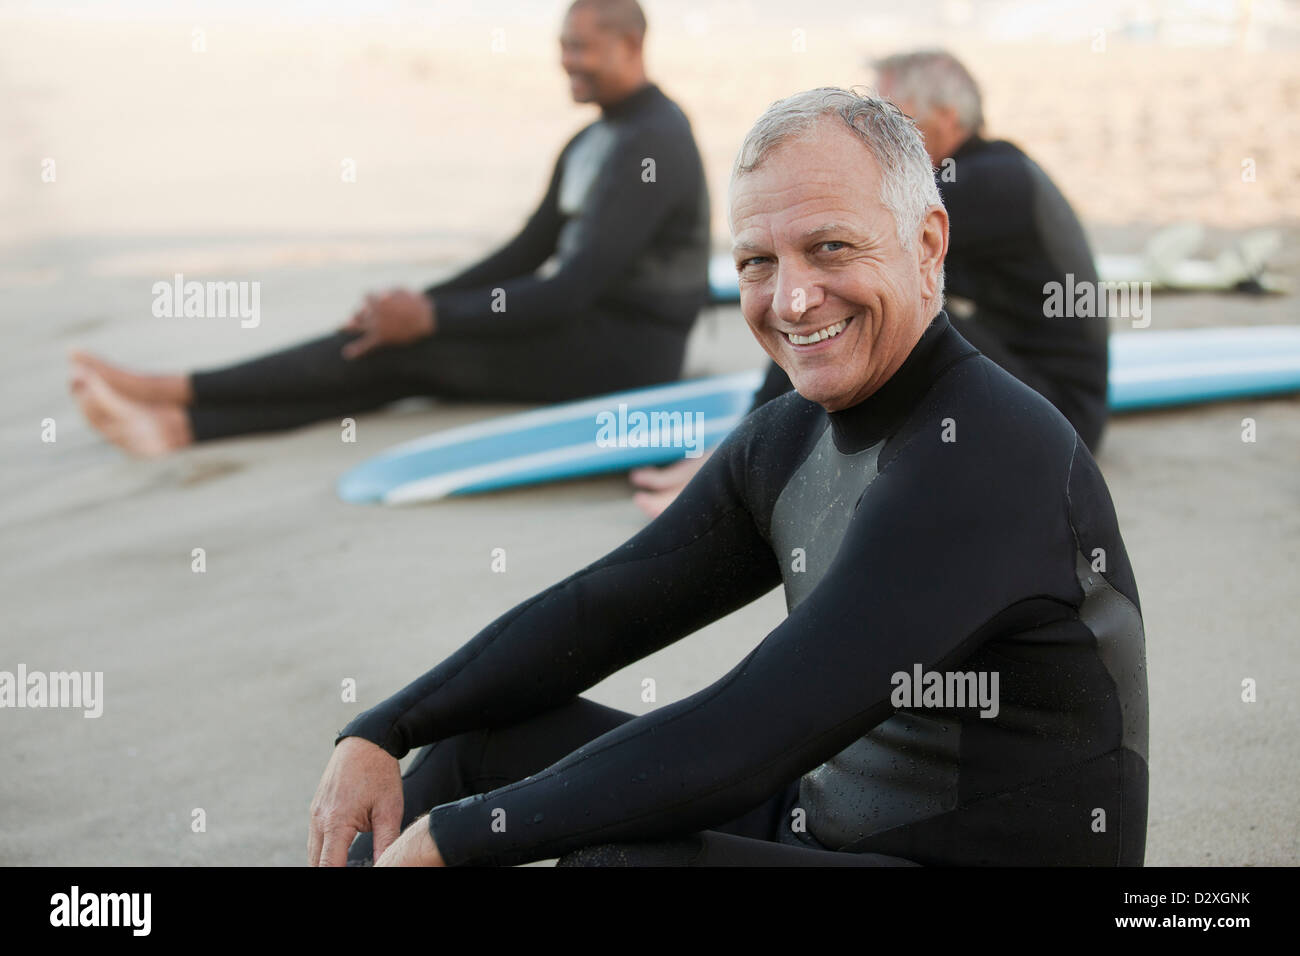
<point>630,103</point>
<point>879,414</point>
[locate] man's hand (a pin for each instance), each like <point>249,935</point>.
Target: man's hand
<point>360,791</point>
<point>660,486</point>
<point>415,847</point>
<point>398,317</point>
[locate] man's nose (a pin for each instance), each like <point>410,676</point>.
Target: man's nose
<point>797,290</point>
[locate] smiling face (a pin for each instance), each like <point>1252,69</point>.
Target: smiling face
<point>825,285</point>
<point>601,63</point>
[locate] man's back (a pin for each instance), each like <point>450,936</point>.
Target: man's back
<point>1012,233</point>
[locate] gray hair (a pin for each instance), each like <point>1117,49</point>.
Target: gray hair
<point>930,78</point>
<point>907,186</point>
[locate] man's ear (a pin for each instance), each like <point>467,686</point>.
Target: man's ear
<point>932,247</point>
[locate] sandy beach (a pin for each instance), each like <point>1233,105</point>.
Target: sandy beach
<point>222,688</point>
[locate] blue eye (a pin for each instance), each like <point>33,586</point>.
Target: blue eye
<point>833,242</point>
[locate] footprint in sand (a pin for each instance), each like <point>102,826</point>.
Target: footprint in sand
<point>201,471</point>
<point>82,327</point>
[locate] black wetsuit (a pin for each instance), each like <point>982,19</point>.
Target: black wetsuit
<point>1012,232</point>
<point>953,522</point>
<point>597,293</point>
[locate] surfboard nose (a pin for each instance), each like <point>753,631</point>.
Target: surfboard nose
<point>363,485</point>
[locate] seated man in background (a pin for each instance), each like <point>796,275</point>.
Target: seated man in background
<point>960,678</point>
<point>1012,233</point>
<point>624,243</point>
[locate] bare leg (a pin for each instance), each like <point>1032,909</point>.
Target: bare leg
<point>142,429</point>
<point>661,485</point>
<point>161,389</point>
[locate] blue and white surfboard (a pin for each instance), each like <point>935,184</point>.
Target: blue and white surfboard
<point>648,426</point>
<point>1150,369</point>
<point>654,426</point>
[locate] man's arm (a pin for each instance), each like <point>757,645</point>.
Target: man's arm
<point>701,560</point>
<point>935,552</point>
<point>621,216</point>
<point>401,317</point>
<point>522,254</point>
<point>693,566</point>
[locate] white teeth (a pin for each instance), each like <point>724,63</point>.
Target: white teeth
<point>825,333</point>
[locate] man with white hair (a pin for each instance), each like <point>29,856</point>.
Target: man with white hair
<point>1012,234</point>
<point>960,678</point>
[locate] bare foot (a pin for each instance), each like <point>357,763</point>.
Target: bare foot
<point>141,429</point>
<point>167,389</point>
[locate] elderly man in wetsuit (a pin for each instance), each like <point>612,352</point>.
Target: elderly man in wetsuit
<point>960,678</point>
<point>1012,233</point>
<point>597,293</point>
